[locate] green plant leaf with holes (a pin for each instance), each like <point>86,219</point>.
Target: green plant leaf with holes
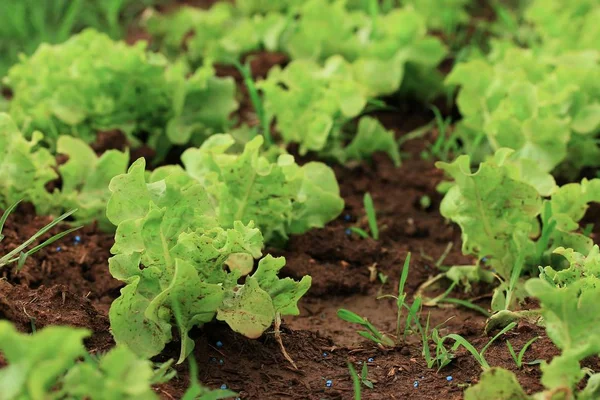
<point>175,245</point>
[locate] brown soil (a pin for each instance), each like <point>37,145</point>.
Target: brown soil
<point>72,286</point>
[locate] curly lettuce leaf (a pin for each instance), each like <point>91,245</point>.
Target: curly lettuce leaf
<point>181,266</point>
<point>572,317</point>
<point>222,33</point>
<point>36,362</point>
<point>91,83</point>
<point>371,136</point>
<point>85,178</point>
<point>25,167</point>
<point>541,104</point>
<point>498,384</point>
<point>118,374</point>
<point>280,197</point>
<point>495,208</point>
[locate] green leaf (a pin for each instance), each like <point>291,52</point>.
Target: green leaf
<point>495,210</point>
<point>285,292</point>
<point>498,384</point>
<point>587,119</point>
<point>571,315</point>
<point>85,179</point>
<point>371,137</point>
<point>119,374</point>
<point>25,168</point>
<point>36,362</point>
<point>248,311</point>
<point>281,198</point>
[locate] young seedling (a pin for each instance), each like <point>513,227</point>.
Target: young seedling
<point>400,302</point>
<point>371,332</point>
<point>355,382</point>
<point>256,100</point>
<point>519,358</point>
<point>18,254</point>
<point>478,355</point>
<point>371,218</point>
<point>364,376</point>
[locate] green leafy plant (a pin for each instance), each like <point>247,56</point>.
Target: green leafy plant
<point>505,217</point>
<point>312,104</point>
<point>281,197</point>
<point>443,355</point>
<point>388,51</point>
<point>518,359</point>
<point>371,218</point>
<point>372,333</point>
<point>222,33</point>
<point>27,169</point>
<point>91,83</point>
<point>543,105</point>
<point>562,25</point>
<point>569,309</point>
<point>188,236</point>
<point>27,23</point>
<point>46,365</point>
<point>364,376</point>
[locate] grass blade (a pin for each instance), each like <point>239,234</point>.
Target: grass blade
<point>355,382</point>
<point>371,215</point>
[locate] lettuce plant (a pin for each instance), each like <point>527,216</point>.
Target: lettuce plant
<point>185,237</point>
<point>222,33</point>
<point>544,106</point>
<point>512,213</point>
<point>312,104</point>
<point>281,197</point>
<point>388,51</point>
<point>91,83</point>
<point>570,310</point>
<point>565,25</point>
<point>46,365</point>
<point>25,24</point>
<point>27,169</point>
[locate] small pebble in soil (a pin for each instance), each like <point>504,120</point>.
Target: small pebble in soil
<point>416,384</point>
<point>329,383</point>
<point>221,362</point>
<point>58,249</point>
<point>325,354</point>
<point>347,217</point>
<point>212,359</point>
<point>348,232</point>
<point>223,387</point>
<point>371,359</point>
<point>219,344</point>
<point>449,378</point>
<point>77,239</point>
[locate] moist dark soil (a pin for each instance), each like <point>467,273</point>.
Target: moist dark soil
<point>69,283</point>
